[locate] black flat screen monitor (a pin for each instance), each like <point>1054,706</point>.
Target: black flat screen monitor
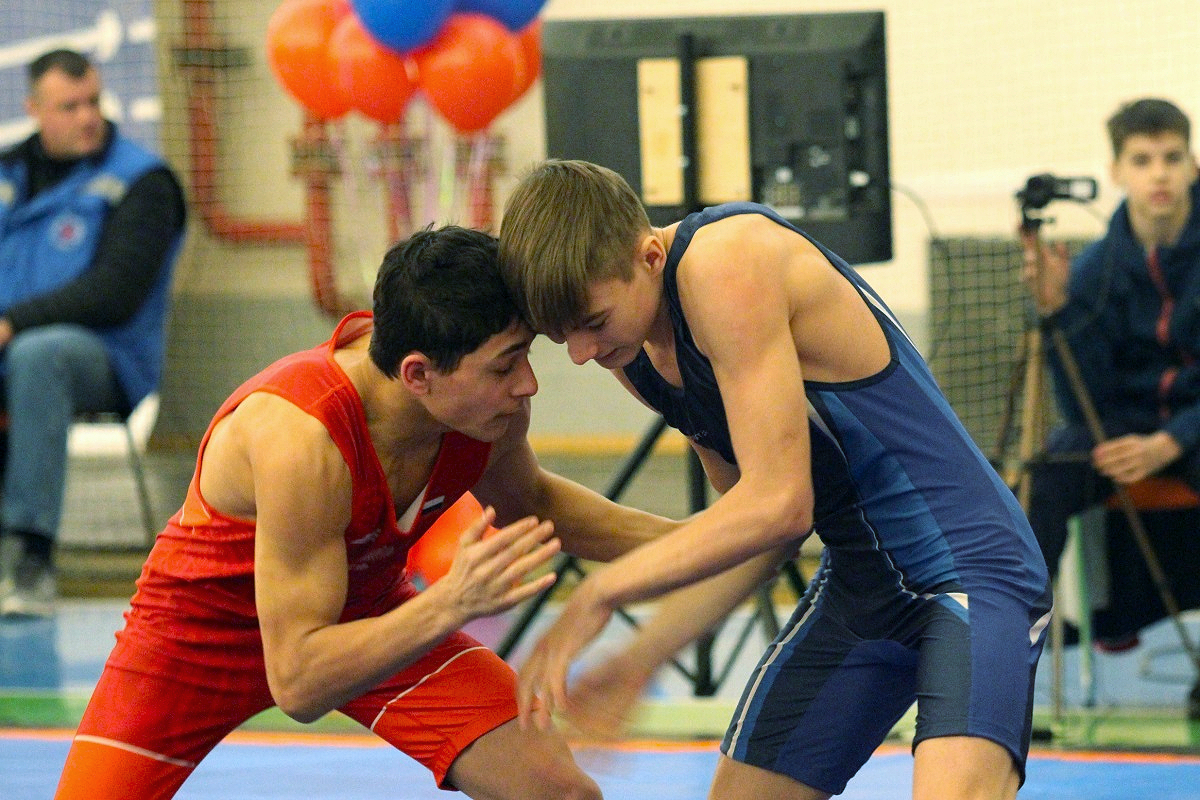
<point>816,90</point>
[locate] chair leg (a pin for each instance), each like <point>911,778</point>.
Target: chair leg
<point>1087,679</point>
<point>1194,702</point>
<point>1057,638</point>
<point>1087,674</point>
<point>149,522</point>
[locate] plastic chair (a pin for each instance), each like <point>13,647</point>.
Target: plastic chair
<point>1152,494</point>
<point>91,433</point>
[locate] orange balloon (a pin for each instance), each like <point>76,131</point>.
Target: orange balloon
<point>431,556</point>
<point>470,71</point>
<point>298,35</point>
<point>530,39</point>
<point>374,78</point>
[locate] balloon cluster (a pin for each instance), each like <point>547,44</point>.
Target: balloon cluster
<point>470,58</point>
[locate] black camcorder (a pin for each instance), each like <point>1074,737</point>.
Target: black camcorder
<point>1041,189</point>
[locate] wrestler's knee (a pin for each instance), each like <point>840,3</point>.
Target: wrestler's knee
<point>523,765</point>
<point>569,782</point>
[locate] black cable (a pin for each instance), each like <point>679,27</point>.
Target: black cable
<point>936,241</point>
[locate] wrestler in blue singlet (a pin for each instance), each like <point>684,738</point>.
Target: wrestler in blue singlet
<point>931,586</point>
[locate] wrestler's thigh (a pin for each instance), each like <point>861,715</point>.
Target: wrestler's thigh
<point>976,677</point>
<point>821,701</point>
<point>434,709</point>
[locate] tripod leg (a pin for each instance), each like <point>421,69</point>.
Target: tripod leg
<point>1033,423</point>
<point>766,610</point>
<point>1016,384</point>
<point>568,563</point>
<point>794,578</point>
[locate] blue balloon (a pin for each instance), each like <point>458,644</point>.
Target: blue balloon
<point>403,25</point>
<point>513,14</point>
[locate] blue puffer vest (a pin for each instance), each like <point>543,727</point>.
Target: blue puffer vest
<point>49,240</point>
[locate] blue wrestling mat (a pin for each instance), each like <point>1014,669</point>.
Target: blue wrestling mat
<point>278,766</point>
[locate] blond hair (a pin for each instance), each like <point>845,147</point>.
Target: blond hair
<point>567,225</point>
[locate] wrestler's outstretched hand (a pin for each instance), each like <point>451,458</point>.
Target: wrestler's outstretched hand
<point>542,679</point>
<point>491,574</point>
<point>601,703</point>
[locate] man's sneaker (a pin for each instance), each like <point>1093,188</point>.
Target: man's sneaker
<point>30,586</point>
<point>1119,644</point>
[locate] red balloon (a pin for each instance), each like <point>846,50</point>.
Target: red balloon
<point>431,556</point>
<point>530,39</point>
<point>470,70</point>
<point>298,51</point>
<point>374,78</point>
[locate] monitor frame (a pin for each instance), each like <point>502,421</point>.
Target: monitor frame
<point>817,113</point>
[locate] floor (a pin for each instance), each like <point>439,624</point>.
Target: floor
<point>260,767</point>
<point>48,667</point>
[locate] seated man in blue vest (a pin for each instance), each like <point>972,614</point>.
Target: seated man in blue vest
<point>90,225</point>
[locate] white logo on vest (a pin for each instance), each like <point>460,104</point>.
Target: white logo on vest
<point>68,231</point>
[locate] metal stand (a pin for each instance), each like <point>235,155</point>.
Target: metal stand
<point>564,564</point>
<point>705,678</point>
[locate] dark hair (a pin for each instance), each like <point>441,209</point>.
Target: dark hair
<point>440,293</point>
<point>1150,116</point>
<point>69,61</point>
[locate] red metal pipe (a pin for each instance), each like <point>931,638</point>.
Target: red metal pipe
<point>202,79</point>
<point>319,230</point>
<point>315,231</point>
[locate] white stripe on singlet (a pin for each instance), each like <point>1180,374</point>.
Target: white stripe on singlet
<point>777,648</point>
<point>177,762</point>
<point>395,699</point>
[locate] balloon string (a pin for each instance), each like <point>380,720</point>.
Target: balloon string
<point>432,161</point>
<point>397,165</point>
<point>449,180</point>
<point>480,150</point>
<point>478,181</point>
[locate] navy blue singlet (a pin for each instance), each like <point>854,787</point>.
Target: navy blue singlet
<point>927,554</point>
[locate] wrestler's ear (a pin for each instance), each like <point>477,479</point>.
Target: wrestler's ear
<point>416,372</point>
<point>650,253</point>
